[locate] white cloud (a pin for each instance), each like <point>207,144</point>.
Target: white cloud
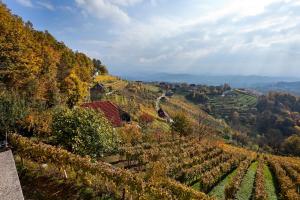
<point>239,36</point>
<point>46,5</point>
<point>26,3</point>
<point>104,9</point>
<point>126,2</point>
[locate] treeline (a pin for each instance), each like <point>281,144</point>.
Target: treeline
<point>36,65</point>
<point>200,93</point>
<point>278,119</point>
<point>272,124</point>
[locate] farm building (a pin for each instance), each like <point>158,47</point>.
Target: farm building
<point>169,93</point>
<point>97,91</point>
<point>161,113</point>
<point>112,112</point>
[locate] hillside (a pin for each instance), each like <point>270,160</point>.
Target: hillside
<point>239,101</point>
<point>77,132</point>
<point>35,64</point>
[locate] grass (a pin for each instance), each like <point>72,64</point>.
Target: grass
<point>218,191</point>
<point>196,186</point>
<point>246,188</point>
<point>270,184</point>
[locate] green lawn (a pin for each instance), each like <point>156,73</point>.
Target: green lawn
<point>270,184</point>
<point>246,188</point>
<point>218,191</point>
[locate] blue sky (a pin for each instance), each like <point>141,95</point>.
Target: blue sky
<point>220,37</point>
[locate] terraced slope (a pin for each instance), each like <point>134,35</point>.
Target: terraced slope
<point>239,101</point>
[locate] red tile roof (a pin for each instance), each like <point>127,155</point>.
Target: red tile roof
<point>110,110</point>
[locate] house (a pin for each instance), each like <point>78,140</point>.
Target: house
<point>112,112</point>
<point>169,93</point>
<point>97,91</point>
<point>161,113</point>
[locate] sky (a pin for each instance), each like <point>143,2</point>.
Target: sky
<point>211,37</point>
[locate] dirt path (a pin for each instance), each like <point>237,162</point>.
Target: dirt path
<point>157,106</point>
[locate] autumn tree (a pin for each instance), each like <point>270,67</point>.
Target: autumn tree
<point>35,64</point>
<point>13,109</point>
<point>181,125</point>
<point>99,67</point>
<point>84,132</point>
<point>291,145</point>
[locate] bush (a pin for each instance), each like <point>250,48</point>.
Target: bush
<point>145,119</point>
<point>181,125</point>
<point>130,134</point>
<point>84,132</point>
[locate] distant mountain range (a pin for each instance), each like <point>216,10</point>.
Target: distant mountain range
<point>259,82</point>
<point>290,87</point>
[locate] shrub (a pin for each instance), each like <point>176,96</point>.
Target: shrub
<point>84,131</point>
<point>130,134</point>
<point>145,119</point>
<point>181,125</point>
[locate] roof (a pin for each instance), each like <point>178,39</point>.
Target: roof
<point>10,187</point>
<point>110,110</point>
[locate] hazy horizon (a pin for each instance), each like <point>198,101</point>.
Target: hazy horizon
<point>145,73</point>
<point>226,37</point>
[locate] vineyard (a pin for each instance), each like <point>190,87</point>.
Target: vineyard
<point>224,106</point>
<point>179,103</point>
<point>182,168</point>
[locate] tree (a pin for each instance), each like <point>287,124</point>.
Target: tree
<point>35,64</point>
<point>197,97</point>
<point>99,67</point>
<point>291,145</point>
<point>235,119</point>
<point>13,109</point>
<point>84,132</point>
<point>181,125</point>
<point>226,87</point>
